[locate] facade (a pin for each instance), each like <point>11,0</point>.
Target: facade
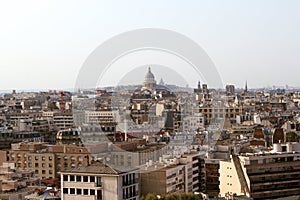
<point>107,119</point>
<point>63,120</point>
<point>47,160</point>
<point>261,176</point>
<point>209,184</point>
<point>220,112</point>
<point>193,123</point>
<point>99,181</point>
<point>181,177</point>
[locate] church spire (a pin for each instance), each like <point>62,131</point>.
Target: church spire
<point>246,87</point>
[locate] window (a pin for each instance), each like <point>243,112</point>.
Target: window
<point>78,178</point>
<point>78,191</point>
<point>50,158</point>
<point>36,164</point>
<point>99,194</point>
<point>85,179</point>
<point>50,172</point>
<point>43,158</point>
<point>36,158</point>
<point>36,171</point>
<point>92,179</point>
<point>50,165</point>
<point>43,165</point>
<point>92,192</point>
<point>43,171</point>
<point>72,190</point>
<point>72,178</point>
<point>65,177</point>
<point>85,191</point>
<point>29,158</point>
<point>99,184</point>
<point>65,190</point>
<point>29,164</point>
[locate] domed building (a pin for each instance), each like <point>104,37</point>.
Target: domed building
<point>149,82</point>
<point>154,104</point>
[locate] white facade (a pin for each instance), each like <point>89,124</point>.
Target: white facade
<point>193,123</point>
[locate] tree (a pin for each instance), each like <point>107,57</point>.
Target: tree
<point>182,196</point>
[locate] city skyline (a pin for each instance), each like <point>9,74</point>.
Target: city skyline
<point>44,45</point>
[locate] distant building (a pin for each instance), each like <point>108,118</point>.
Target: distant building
<point>63,120</point>
<point>230,89</point>
<point>149,81</point>
<point>194,122</point>
<point>106,119</point>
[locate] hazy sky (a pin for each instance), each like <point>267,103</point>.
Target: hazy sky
<point>44,43</point>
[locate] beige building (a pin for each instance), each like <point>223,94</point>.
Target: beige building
<point>104,118</point>
<point>63,120</point>
<point>180,177</point>
<point>99,181</point>
<point>261,176</point>
<point>47,160</point>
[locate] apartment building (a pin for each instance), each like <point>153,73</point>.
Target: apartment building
<point>209,175</point>
<point>63,120</point>
<point>47,160</point>
<point>182,176</point>
<point>99,181</point>
<point>264,175</point>
<point>193,123</point>
<point>105,118</point>
<point>211,112</point>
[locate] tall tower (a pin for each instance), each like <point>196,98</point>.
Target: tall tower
<point>246,87</point>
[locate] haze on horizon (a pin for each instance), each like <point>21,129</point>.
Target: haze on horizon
<point>44,43</point>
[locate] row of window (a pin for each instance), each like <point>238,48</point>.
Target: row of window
<point>129,192</point>
<point>43,171</point>
<point>79,191</point>
<point>43,165</point>
<point>128,179</point>
<point>30,157</point>
<point>72,158</point>
<point>85,179</point>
